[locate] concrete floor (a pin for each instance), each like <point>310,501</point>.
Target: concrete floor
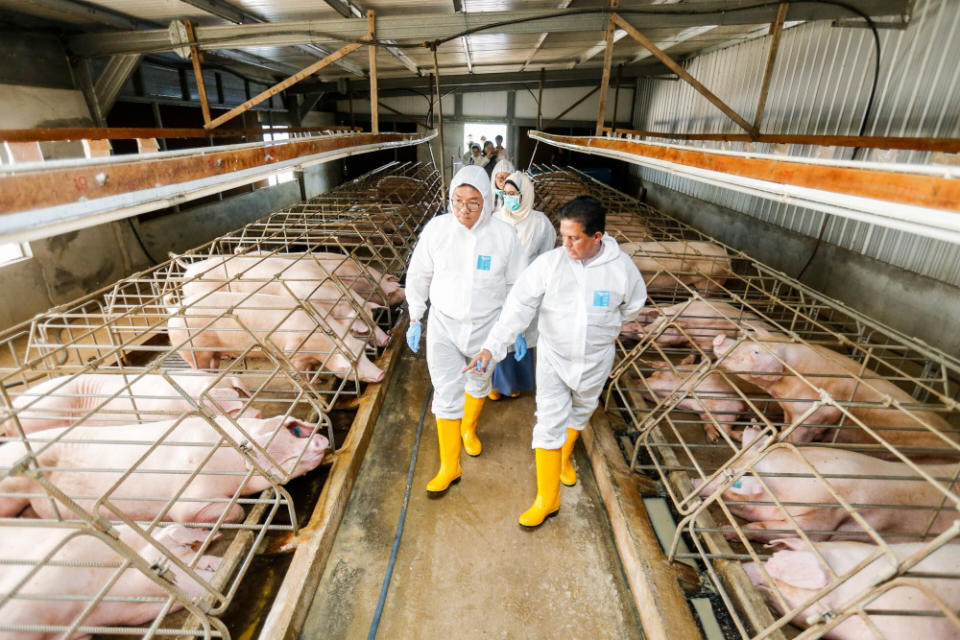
<point>465,568</point>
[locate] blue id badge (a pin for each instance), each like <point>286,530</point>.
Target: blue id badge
<point>601,298</point>
<point>483,263</point>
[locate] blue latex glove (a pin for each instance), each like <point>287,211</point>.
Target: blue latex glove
<point>519,348</point>
<point>413,336</point>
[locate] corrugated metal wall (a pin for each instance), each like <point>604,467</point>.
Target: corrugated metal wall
<point>821,84</point>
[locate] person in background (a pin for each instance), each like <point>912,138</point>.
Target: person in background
<point>464,264</point>
<point>469,143</point>
<point>498,177</point>
<point>500,149</point>
<point>537,236</point>
<point>584,291</point>
<point>472,156</point>
<point>490,157</point>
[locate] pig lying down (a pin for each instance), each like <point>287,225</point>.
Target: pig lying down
<point>904,489</point>
<point>692,321</point>
<point>105,399</point>
<point>704,266</point>
<point>221,323</point>
<point>29,546</point>
<point>771,362</point>
<point>292,448</point>
<point>712,397</point>
<point>304,277</point>
<point>797,574</point>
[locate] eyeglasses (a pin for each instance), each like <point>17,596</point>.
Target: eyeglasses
<point>472,206</point>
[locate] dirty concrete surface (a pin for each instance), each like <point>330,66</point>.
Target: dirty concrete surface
<point>465,569</point>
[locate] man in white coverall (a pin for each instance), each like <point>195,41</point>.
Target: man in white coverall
<point>585,290</point>
<point>465,264</point>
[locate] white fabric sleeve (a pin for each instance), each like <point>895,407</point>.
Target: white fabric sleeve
<point>637,296</point>
<point>419,276</point>
<point>548,239</point>
<point>517,263</point>
<point>518,311</point>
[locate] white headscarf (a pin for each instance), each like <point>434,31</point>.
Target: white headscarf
<point>475,176</point>
<point>525,185</point>
<point>500,167</point>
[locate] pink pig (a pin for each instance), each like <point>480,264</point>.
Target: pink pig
<point>104,399</point>
<point>222,322</point>
<point>797,574</point>
<point>712,397</point>
<point>705,266</point>
<point>182,446</point>
<point>764,361</point>
<point>806,495</point>
<point>30,545</point>
<point>697,321</point>
<point>299,279</point>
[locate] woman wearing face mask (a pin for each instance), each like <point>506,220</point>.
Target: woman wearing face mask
<point>537,235</point>
<point>501,172</point>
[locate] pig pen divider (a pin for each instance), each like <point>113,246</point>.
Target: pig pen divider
<point>885,396</point>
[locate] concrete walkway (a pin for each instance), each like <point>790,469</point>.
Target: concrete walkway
<point>465,569</point>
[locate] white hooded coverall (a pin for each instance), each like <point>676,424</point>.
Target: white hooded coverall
<point>534,229</point>
<point>466,274</point>
<point>582,308</point>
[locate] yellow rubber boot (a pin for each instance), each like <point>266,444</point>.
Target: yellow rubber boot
<point>568,475</point>
<point>547,502</point>
<point>448,433</point>
<point>468,427</point>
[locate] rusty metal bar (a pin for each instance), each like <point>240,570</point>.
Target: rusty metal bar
<point>280,86</point>
<point>605,74</point>
<point>776,29</point>
<point>196,57</point>
<point>680,71</point>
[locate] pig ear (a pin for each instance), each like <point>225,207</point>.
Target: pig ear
<point>800,569</point>
<point>690,359</point>
<point>237,385</point>
<point>299,428</point>
<point>748,487</point>
<point>178,535</point>
<point>391,278</point>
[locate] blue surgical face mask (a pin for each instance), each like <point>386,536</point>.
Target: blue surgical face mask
<point>511,202</point>
<point>500,192</point>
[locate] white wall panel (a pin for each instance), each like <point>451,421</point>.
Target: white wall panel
<point>821,84</point>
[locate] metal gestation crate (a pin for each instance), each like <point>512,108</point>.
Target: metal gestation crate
<point>105,431</point>
<point>116,441</point>
<point>850,427</point>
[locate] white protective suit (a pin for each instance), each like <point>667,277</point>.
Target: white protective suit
<point>466,274</point>
<point>582,308</point>
<point>534,229</point>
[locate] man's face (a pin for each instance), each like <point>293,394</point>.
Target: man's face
<point>579,245</point>
<point>467,205</point>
